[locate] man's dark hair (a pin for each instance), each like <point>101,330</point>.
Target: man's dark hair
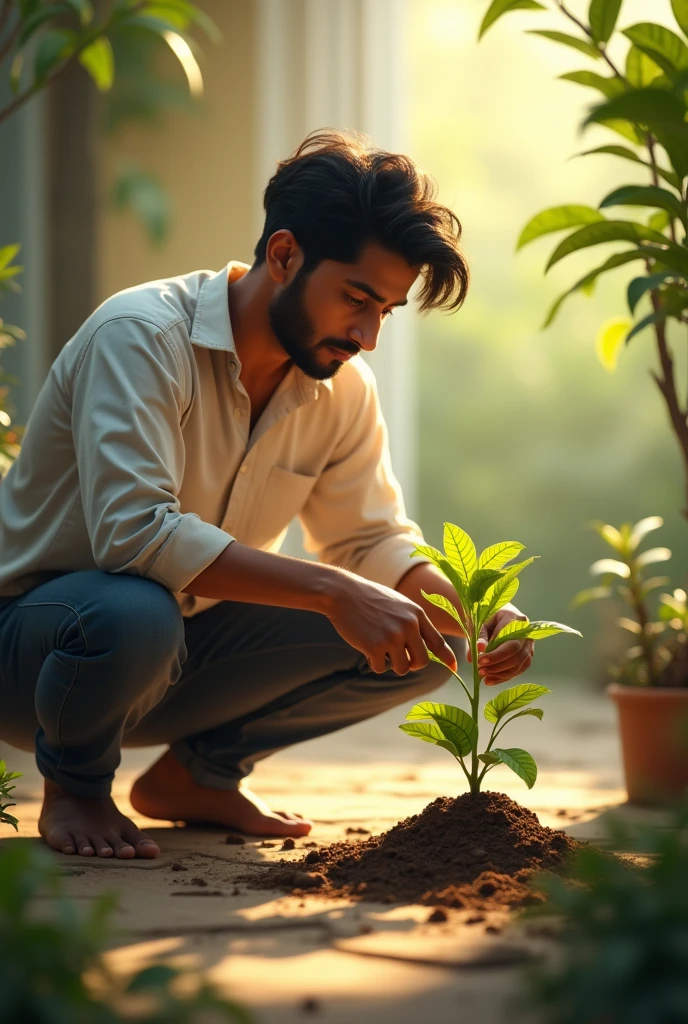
<point>336,195</point>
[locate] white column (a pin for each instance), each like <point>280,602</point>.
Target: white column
<point>340,64</point>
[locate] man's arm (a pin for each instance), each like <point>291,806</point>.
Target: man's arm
<point>509,660</point>
<point>374,619</point>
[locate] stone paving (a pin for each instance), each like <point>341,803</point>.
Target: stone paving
<point>291,959</point>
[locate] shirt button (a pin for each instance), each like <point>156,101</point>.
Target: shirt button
<point>232,364</point>
<point>244,469</point>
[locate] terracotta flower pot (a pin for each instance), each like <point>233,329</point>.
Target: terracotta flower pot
<point>654,741</point>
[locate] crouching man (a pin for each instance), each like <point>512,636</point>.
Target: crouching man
<point>142,596</point>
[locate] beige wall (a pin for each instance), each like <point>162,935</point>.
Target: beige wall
<point>205,158</point>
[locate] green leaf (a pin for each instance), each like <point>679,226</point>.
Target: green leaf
<point>642,528</point>
<point>566,40</point>
<point>499,7</point>
<point>656,109</point>
<point>7,254</point>
<point>641,70</point>
<point>610,340</point>
<point>98,59</point>
<point>497,555</point>
<point>513,699</point>
<point>518,630</point>
<point>591,594</point>
<point>602,16</point>
<point>489,757</point>
<point>680,9</point>
<point>625,129</point>
<point>456,725</point>
<point>660,44</point>
<point>481,581</point>
<point>53,48</point>
<point>659,221</point>
<point>617,260</point>
<point>640,285</point>
<point>670,256</point>
<point>429,552</point>
<point>597,234</point>
<point>608,85</point>
<point>150,979</point>
<point>557,218</point>
<point>604,566</point>
<point>458,584</point>
<point>142,193</point>
<point>627,154</point>
<point>503,592</point>
<point>610,535</point>
<point>653,555</point>
<point>673,303</point>
<point>535,712</point>
<point>43,13</point>
<point>441,602</point>
<point>429,732</point>
<point>520,762</point>
<point>646,195</point>
<point>460,551</point>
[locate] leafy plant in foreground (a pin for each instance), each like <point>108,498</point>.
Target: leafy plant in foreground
<point>53,971</point>
<point>625,934</point>
<point>5,791</point>
<point>483,585</point>
<point>658,653</point>
<point>645,101</point>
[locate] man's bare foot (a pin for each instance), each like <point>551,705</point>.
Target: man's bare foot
<point>72,824</point>
<point>167,791</point>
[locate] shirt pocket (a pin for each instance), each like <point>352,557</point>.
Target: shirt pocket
<point>284,496</point>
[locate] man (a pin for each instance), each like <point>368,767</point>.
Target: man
<point>142,596</point>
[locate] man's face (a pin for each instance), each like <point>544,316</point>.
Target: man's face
<point>326,317</point>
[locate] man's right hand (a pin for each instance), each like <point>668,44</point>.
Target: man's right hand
<point>382,623</point>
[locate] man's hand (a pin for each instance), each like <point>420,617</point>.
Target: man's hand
<point>507,661</point>
<point>382,623</point>
<point>510,658</point>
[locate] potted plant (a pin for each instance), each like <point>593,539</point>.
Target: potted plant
<point>483,585</point>
<point>649,687</point>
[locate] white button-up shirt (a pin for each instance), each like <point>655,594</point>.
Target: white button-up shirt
<point>137,456</point>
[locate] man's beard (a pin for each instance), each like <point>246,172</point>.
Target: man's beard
<point>294,330</point>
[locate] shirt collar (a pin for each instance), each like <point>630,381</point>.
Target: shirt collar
<point>212,327</point>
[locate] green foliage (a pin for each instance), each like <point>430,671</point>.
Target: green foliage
<point>657,653</point>
<point>624,935</point>
<point>5,791</point>
<point>53,971</point>
<point>54,35</point>
<point>646,101</point>
<point>483,583</point>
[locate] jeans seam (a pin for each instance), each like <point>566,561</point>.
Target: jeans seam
<point>62,604</point>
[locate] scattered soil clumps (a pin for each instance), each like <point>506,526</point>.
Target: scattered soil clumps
<point>472,853</point>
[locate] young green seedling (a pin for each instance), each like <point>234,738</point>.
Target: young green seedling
<point>5,791</point>
<point>483,585</point>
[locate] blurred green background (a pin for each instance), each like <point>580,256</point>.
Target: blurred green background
<point>523,434</point>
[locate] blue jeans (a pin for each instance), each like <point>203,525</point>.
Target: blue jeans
<point>93,661</point>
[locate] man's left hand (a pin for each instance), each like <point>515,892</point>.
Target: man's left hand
<point>510,658</point>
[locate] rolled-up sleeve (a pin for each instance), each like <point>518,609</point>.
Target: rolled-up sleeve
<point>127,405</point>
<point>355,515</point>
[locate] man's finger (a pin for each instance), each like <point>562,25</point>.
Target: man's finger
<point>436,643</point>
<point>418,652</point>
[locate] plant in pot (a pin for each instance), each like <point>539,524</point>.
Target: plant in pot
<point>650,687</point>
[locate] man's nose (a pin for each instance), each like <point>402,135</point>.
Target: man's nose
<point>366,337</point>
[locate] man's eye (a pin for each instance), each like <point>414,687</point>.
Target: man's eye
<point>354,301</point>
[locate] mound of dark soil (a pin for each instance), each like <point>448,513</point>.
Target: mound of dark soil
<point>472,852</point>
